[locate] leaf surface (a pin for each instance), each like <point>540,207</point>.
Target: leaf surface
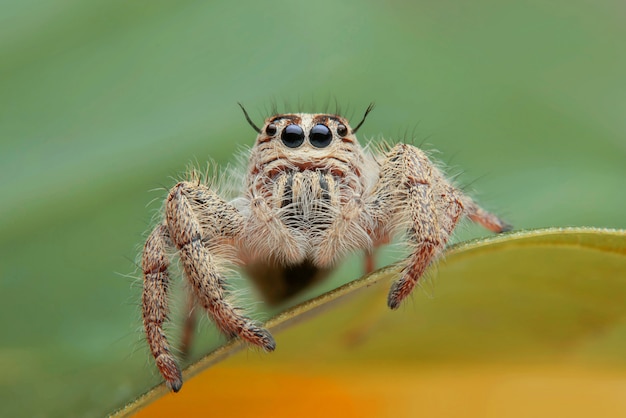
<point>514,325</point>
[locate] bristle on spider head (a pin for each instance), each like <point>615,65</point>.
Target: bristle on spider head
<point>256,128</point>
<point>367,111</point>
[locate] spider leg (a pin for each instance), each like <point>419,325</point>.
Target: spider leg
<point>370,254</point>
<point>428,236</point>
<point>486,219</point>
<point>198,219</point>
<point>189,326</point>
<point>199,224</point>
<point>369,262</point>
<point>412,194</point>
<point>155,305</point>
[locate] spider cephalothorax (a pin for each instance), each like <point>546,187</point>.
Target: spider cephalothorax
<point>312,196</point>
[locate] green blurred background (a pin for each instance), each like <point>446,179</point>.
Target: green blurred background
<point>103,101</point>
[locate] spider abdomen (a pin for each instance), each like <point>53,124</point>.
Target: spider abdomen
<point>277,282</point>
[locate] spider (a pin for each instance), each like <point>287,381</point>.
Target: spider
<point>312,195</point>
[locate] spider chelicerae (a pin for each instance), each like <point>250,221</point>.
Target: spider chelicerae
<point>312,195</point>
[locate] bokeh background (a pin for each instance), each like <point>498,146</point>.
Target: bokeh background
<point>103,101</point>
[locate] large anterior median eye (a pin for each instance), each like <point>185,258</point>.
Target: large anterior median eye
<point>320,136</point>
<point>292,136</point>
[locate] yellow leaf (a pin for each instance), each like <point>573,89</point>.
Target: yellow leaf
<point>527,324</point>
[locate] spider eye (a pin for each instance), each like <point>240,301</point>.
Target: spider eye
<point>342,130</point>
<point>292,136</point>
<point>320,136</point>
<point>270,129</point>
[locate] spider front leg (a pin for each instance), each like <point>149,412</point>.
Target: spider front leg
<point>412,194</point>
<point>201,226</point>
<point>189,326</point>
<point>154,264</point>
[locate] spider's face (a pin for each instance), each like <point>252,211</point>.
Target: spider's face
<point>305,140</point>
<point>306,131</point>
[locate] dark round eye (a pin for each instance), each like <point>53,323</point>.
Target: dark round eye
<point>292,136</point>
<point>342,130</point>
<point>271,129</point>
<point>320,136</point>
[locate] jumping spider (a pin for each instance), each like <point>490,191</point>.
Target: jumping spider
<point>312,196</point>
